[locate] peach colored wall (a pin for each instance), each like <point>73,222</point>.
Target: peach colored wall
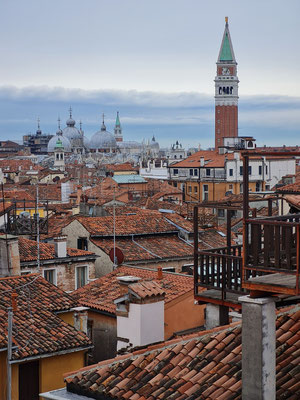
<point>182,314</point>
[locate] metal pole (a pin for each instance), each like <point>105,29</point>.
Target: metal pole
<point>9,351</point>
<point>38,229</point>
<point>114,217</point>
<point>196,234</point>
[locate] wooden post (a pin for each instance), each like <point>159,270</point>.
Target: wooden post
<point>245,212</point>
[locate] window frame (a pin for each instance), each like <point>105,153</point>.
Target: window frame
<point>54,270</point>
<point>86,267</point>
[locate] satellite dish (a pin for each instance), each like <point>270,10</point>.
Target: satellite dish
<point>118,254</point>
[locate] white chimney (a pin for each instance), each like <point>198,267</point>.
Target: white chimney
<point>140,315</point>
<point>237,155</point>
<point>60,246</point>
<point>202,161</point>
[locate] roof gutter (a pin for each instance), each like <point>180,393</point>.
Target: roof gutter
<point>56,353</point>
<point>63,260</point>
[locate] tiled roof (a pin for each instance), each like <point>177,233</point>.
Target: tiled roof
<point>55,225</point>
<point>199,367</point>
<point>293,187</point>
<point>146,289</point>
<point>119,167</point>
<point>180,221</point>
<point>138,223</point>
<point>293,200</point>
<point>28,251</point>
<point>100,294</point>
<point>14,165</point>
<point>211,159</point>
<point>36,329</point>
<point>147,247</point>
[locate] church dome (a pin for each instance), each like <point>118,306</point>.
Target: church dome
<point>102,139</point>
<point>65,142</point>
<point>70,131</point>
<point>154,143</point>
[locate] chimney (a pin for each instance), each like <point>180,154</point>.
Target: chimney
<point>159,273</point>
<point>237,155</point>
<point>9,256</point>
<point>140,315</point>
<point>259,348</point>
<point>60,246</point>
<point>80,317</point>
<point>125,281</point>
<point>79,193</point>
<point>201,161</point>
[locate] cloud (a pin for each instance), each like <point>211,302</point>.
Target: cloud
<point>186,116</point>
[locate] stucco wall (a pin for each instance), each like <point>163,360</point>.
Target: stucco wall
<point>182,314</point>
<point>53,368</point>
<point>143,325</point>
<point>75,230</point>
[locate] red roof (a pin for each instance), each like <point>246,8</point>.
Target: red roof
<point>37,330</point>
<point>147,247</point>
<point>28,251</point>
<point>206,365</point>
<point>142,222</point>
<point>100,294</point>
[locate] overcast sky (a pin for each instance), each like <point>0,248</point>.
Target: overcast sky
<point>154,61</point>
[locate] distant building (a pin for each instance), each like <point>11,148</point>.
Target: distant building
<point>226,92</point>
<point>38,143</point>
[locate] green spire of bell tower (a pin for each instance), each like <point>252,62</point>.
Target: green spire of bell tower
<point>226,53</point>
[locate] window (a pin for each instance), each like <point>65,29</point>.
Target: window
<point>205,193</point>
<point>175,156</point>
<point>207,171</point>
<point>50,275</point>
<point>81,276</point>
<point>82,243</point>
<point>260,170</point>
<point>195,189</point>
<point>180,156</point>
<point>221,213</point>
<point>230,187</point>
<point>191,172</point>
<point>195,172</point>
<point>175,171</point>
<point>249,170</point>
<point>241,170</point>
<point>231,172</point>
<point>190,189</point>
<point>266,169</point>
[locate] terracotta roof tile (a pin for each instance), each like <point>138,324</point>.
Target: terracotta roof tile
<point>28,251</point>
<point>199,379</point>
<point>37,330</point>
<point>100,294</point>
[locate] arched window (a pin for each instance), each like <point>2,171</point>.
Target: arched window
<point>220,90</point>
<point>57,156</point>
<point>231,89</point>
<point>227,90</point>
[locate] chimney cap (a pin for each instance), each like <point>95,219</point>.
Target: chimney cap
<point>128,279</point>
<point>60,239</point>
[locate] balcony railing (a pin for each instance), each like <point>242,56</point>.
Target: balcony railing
<point>220,271</point>
<point>272,253</point>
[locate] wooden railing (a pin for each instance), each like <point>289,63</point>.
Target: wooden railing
<point>220,271</point>
<point>273,246</point>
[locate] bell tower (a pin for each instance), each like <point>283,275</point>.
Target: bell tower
<point>226,91</point>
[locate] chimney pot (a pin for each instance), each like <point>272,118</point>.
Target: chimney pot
<point>159,273</point>
<point>60,246</point>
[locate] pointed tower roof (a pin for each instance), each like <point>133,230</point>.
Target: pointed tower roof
<point>118,124</point>
<point>226,53</point>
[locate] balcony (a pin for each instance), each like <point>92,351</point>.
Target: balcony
<point>272,256</point>
<point>220,272</point>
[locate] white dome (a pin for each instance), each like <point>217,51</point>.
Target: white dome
<point>65,142</point>
<point>102,140</point>
<point>70,131</point>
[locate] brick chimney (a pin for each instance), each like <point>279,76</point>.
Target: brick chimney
<point>140,315</point>
<point>125,281</point>
<point>60,246</point>
<point>159,273</point>
<point>9,256</point>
